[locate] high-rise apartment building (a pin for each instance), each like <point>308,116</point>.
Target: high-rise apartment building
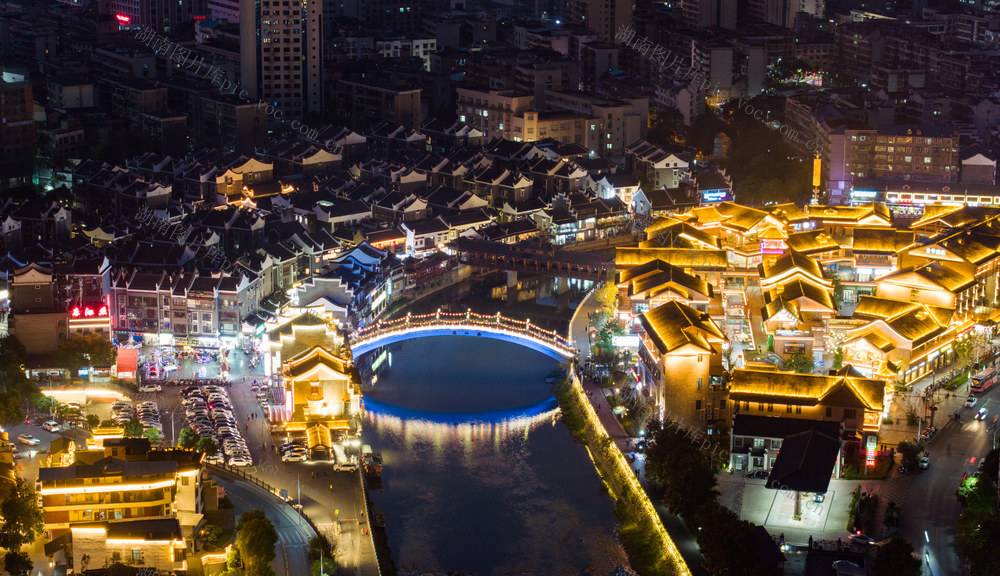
<point>708,13</point>
<point>280,48</point>
<point>927,154</point>
<point>602,17</point>
<point>17,131</point>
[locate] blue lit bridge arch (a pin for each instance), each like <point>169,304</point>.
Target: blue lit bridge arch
<point>495,326</point>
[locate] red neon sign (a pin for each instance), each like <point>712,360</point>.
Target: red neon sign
<point>123,19</point>
<point>76,312</point>
<point>88,312</point>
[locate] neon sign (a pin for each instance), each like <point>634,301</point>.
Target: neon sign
<point>123,19</point>
<point>88,312</point>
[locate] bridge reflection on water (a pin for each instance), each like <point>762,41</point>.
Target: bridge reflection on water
<point>495,424</point>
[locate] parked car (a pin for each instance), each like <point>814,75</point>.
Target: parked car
<point>150,388</point>
<point>971,401</point>
<point>28,439</point>
<point>819,498</point>
<point>294,456</point>
<point>925,462</point>
<point>51,426</point>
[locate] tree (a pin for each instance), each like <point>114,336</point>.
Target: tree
<point>10,409</point>
<point>255,540</point>
<point>838,358</point>
<point>17,563</point>
<point>895,558</point>
<point>188,439</point>
<point>12,355</point>
<point>800,363</point>
<point>728,543</point>
<point>133,429</point>
<point>93,421</point>
<point>22,518</point>
<point>976,535</point>
<point>676,462</point>
<point>911,452</point>
<point>207,445</point>
<point>85,350</point>
<point>153,435</point>
<point>992,465</point>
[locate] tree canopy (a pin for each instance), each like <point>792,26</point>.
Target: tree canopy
<point>895,558</point>
<point>687,474</point>
<point>188,438</point>
<point>134,429</point>
<point>22,518</point>
<point>85,350</point>
<point>207,445</point>
<point>800,363</point>
<point>255,540</point>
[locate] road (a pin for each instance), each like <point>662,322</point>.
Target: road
<point>291,552</point>
<point>930,507</point>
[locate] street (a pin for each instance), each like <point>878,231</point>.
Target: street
<point>930,507</point>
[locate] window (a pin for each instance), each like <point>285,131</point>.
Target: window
<point>788,409</point>
<point>746,405</point>
<point>184,480</point>
<point>136,555</point>
<point>770,407</point>
<point>760,407</point>
<point>758,442</point>
<point>850,413</point>
<point>697,404</point>
<point>798,409</point>
<point>829,412</point>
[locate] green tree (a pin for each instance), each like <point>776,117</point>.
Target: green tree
<point>17,563</point>
<point>153,435</point>
<point>255,539</point>
<point>911,452</point>
<point>10,409</point>
<point>799,363</point>
<point>675,461</point>
<point>93,421</point>
<point>976,535</point>
<point>22,518</point>
<point>207,445</point>
<point>134,429</point>
<point>895,558</point>
<point>12,355</point>
<point>838,358</point>
<point>85,350</point>
<point>728,543</point>
<point>188,439</point>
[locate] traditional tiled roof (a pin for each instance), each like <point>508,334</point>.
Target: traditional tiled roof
<point>786,267</point>
<point>881,240</point>
<point>938,273</point>
<point>873,307</point>
<point>792,292</point>
<point>812,242</point>
<point>850,214</point>
<point>802,389</point>
<point>657,276</point>
<point>683,258</point>
<point>669,233</point>
<point>674,325</point>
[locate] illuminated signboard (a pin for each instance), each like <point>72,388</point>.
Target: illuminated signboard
<point>870,452</point>
<point>89,312</point>
<point>123,19</point>
<point>714,195</point>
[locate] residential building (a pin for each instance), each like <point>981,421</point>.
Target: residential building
<point>375,100</point>
<point>17,132</point>
<point>895,152</point>
<point>281,54</point>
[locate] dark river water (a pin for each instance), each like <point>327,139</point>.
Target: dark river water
<point>480,475</point>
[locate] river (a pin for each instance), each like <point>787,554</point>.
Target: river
<point>480,475</point>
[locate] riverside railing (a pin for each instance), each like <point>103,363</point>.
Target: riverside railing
<point>469,319</point>
<point>246,475</point>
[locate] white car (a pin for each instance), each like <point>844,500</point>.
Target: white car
<point>28,439</point>
<point>150,388</point>
<point>294,457</point>
<point>51,426</point>
<point>240,462</point>
<point>971,401</point>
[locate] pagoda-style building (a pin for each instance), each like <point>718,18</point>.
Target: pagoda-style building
<point>322,399</point>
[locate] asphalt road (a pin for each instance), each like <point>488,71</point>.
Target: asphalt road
<point>930,507</point>
<point>291,552</point>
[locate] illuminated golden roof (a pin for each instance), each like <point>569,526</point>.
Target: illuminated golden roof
<point>682,258</point>
<point>657,276</point>
<point>970,246</point>
<point>785,268</point>
<point>955,216</point>
<point>938,273</point>
<point>803,389</point>
<point>873,212</point>
<point>915,324</point>
<point>788,213</point>
<point>797,289</point>
<point>881,240</point>
<point>304,363</point>
<point>774,307</point>
<point>741,218</point>
<point>673,326</point>
<point>679,235</point>
<point>873,307</point>
<point>772,233</point>
<point>812,242</point>
<point>876,339</point>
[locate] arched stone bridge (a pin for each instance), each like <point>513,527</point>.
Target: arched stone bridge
<point>495,326</point>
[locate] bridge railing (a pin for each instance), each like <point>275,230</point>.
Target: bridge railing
<point>467,319</point>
